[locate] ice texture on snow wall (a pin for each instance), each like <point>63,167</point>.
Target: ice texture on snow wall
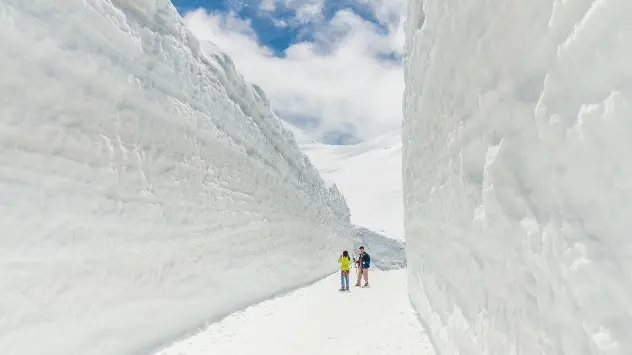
<point>144,186</point>
<point>518,174</point>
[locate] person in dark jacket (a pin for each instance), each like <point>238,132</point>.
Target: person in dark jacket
<point>363,263</point>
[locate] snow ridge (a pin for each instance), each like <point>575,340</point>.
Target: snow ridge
<point>146,187</point>
<point>516,166</point>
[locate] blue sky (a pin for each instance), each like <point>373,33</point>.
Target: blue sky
<point>314,58</point>
<point>268,33</point>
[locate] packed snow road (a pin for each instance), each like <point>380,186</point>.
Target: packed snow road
<point>319,320</point>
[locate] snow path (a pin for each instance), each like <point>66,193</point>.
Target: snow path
<point>320,320</point>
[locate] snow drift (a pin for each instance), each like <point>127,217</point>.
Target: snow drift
<point>517,169</point>
<point>146,188</point>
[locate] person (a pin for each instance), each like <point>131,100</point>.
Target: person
<point>364,263</point>
<point>345,266</point>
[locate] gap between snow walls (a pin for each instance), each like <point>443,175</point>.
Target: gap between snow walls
<point>146,188</point>
<point>516,166</point>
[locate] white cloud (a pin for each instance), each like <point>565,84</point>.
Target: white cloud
<point>268,5</point>
<point>340,79</point>
<point>307,10</point>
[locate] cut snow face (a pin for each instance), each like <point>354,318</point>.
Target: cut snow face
<point>145,187</point>
<point>369,175</point>
<point>517,169</point>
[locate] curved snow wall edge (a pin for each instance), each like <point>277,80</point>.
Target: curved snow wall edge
<point>517,156</point>
<point>145,187</point>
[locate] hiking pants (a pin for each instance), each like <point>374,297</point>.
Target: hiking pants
<point>363,272</point>
<point>344,280</point>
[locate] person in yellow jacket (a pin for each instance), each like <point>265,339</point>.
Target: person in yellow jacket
<point>345,267</point>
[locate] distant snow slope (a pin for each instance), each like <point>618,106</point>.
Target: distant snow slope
<point>386,253</point>
<point>355,169</point>
<point>368,174</point>
<point>517,174</point>
<point>145,188</point>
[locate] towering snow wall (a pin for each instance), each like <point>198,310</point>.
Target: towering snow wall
<point>144,186</point>
<point>518,174</point>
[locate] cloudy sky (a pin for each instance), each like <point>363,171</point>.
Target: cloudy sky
<point>331,67</point>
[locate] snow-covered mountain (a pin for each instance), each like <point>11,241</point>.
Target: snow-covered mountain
<point>145,187</point>
<point>517,164</point>
<point>369,174</point>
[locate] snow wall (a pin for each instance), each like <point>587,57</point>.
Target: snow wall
<point>518,174</point>
<point>145,187</point>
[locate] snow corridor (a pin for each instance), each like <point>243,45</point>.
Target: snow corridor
<point>318,320</point>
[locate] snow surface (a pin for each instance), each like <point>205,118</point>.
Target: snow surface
<point>517,174</point>
<point>319,320</point>
<point>386,253</point>
<point>146,188</point>
<point>369,175</point>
